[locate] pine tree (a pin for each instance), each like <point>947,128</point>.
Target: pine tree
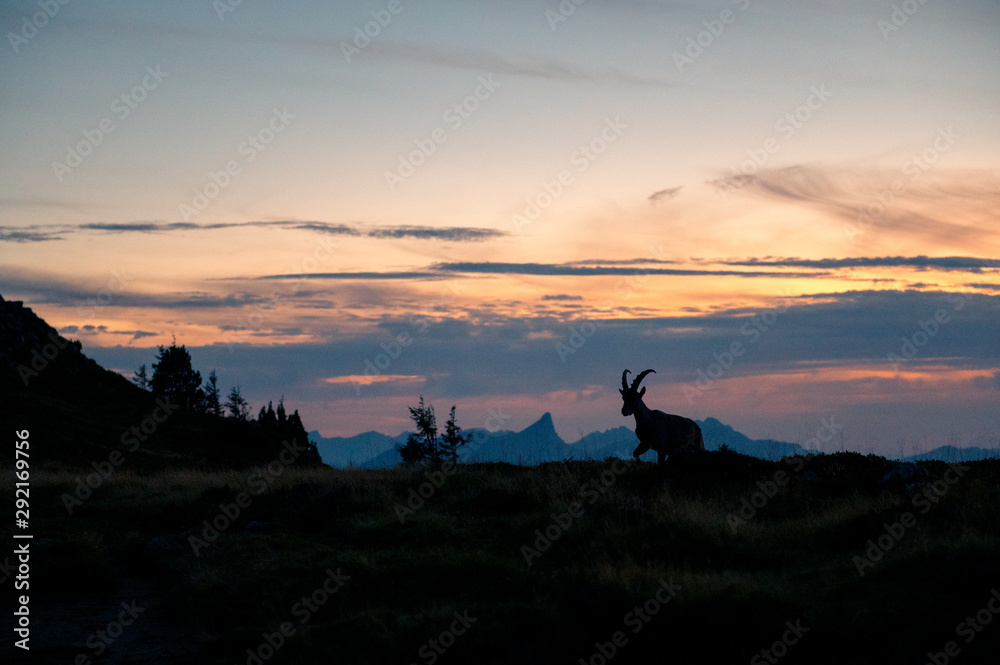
<point>267,418</point>
<point>422,445</point>
<point>238,407</point>
<point>294,430</point>
<point>425,445</point>
<point>212,403</point>
<point>175,380</point>
<point>453,438</point>
<point>281,413</point>
<point>141,378</point>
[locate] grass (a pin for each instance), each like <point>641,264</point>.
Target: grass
<point>461,552</point>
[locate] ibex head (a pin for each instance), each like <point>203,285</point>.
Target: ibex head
<point>630,394</point>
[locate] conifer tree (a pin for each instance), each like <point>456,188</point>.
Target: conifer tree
<point>212,403</point>
<point>424,445</point>
<point>141,378</point>
<point>175,380</point>
<point>453,438</point>
<point>237,406</point>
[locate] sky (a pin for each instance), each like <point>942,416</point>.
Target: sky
<point>787,209</point>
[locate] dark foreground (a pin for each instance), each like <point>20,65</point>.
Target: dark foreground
<point>716,558</point>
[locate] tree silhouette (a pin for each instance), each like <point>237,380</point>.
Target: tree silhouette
<point>424,445</point>
<point>238,407</point>
<point>175,380</point>
<point>212,403</point>
<point>294,430</point>
<point>453,438</point>
<point>288,427</point>
<point>267,418</point>
<point>282,418</point>
<point>141,378</point>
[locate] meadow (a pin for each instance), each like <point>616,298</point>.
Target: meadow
<point>712,558</point>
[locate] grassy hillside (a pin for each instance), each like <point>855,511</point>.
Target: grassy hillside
<point>609,537</point>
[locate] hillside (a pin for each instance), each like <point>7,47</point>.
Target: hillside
<point>80,414</point>
<point>706,559</point>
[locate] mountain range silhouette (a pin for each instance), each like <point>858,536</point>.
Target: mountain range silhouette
<point>540,443</point>
<point>82,411</point>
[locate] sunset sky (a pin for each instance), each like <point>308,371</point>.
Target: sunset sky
<point>502,205</point>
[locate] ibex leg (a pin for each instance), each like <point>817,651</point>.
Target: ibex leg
<point>640,449</point>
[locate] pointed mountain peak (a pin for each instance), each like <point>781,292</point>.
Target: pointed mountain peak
<point>543,423</point>
<point>543,428</point>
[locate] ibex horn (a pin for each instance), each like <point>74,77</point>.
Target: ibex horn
<point>624,381</point>
<point>642,375</point>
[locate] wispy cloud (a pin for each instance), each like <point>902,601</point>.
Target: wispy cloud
<point>664,195</point>
<point>587,268</point>
<point>595,271</point>
<point>453,233</point>
<point>955,206</point>
<point>45,232</point>
<point>90,329</point>
<point>960,263</point>
<point>29,234</point>
<point>402,274</point>
<point>533,67</point>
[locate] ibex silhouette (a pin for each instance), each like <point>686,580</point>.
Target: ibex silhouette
<point>663,432</point>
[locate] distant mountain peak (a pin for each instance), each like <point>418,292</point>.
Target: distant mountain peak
<point>545,421</point>
<point>543,427</point>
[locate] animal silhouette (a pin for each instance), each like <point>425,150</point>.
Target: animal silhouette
<point>663,432</point>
